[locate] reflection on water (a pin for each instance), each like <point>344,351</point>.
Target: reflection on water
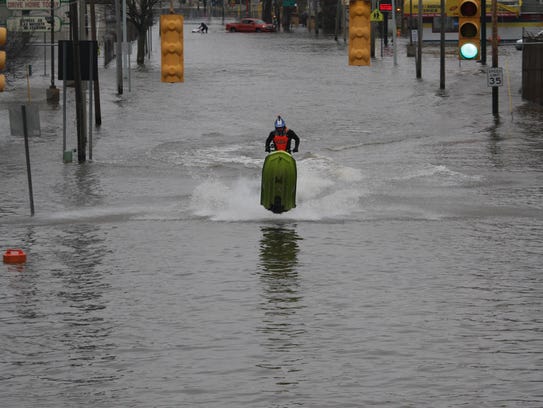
<point>495,144</point>
<point>81,278</point>
<point>281,300</point>
<point>81,249</point>
<point>81,186</point>
<point>60,327</point>
<point>279,251</point>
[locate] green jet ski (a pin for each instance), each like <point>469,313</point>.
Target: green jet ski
<point>279,174</point>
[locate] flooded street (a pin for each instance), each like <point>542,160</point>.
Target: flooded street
<point>408,275</point>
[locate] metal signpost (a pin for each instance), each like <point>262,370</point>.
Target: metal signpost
<point>377,17</point>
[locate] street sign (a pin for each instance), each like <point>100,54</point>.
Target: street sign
<point>494,77</point>
<point>88,60</point>
<point>376,15</point>
<point>32,24</point>
<point>385,7</point>
<point>289,3</point>
<point>31,4</point>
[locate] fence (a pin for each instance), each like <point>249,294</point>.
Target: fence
<point>532,71</point>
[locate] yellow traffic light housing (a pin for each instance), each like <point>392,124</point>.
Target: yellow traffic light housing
<point>359,33</point>
<point>3,40</point>
<point>171,31</point>
<point>469,29</point>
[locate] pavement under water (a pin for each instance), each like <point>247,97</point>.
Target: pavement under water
<point>407,275</point>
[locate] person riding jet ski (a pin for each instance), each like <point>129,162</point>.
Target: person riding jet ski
<point>282,137</point>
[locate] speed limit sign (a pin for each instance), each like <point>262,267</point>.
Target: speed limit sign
<point>494,76</point>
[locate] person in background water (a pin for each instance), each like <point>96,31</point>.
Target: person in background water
<point>282,137</point>
<point>203,27</point>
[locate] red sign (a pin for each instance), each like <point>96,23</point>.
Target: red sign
<point>385,7</point>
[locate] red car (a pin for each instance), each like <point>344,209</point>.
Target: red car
<point>250,25</point>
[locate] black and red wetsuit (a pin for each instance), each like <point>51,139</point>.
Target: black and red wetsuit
<point>282,139</point>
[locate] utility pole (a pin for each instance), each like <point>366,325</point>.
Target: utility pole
<point>119,48</point>
<point>338,16</point>
<point>52,94</point>
<point>442,48</point>
<point>419,47</point>
<point>125,45</point>
<point>98,111</point>
<point>79,106</point>
<point>394,34</point>
<point>373,29</point>
<point>83,37</point>
<point>483,32</point>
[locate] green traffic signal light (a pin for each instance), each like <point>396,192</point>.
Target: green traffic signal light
<point>469,51</point>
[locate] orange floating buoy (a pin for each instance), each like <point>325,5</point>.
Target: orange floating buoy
<point>14,256</point>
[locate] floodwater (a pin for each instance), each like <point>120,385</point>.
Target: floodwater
<point>409,275</point>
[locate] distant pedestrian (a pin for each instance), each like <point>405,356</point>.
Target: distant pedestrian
<point>203,27</point>
<point>304,18</point>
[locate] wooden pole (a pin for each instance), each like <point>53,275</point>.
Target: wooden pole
<point>338,16</point>
<point>419,47</point>
<point>91,80</point>
<point>394,34</point>
<point>52,44</point>
<point>119,52</point>
<point>79,107</point>
<point>97,109</point>
<point>442,48</point>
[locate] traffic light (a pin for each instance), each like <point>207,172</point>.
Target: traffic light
<point>359,32</point>
<point>171,30</point>
<point>3,40</point>
<point>469,29</point>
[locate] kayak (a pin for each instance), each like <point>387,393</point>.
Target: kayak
<point>279,174</point>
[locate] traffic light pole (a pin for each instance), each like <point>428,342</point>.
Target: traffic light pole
<point>419,45</point>
<point>79,106</point>
<point>52,45</point>
<point>483,32</point>
<point>442,48</point>
<point>119,47</point>
<point>495,95</point>
<point>96,84</point>
<point>394,34</point>
<point>52,94</point>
